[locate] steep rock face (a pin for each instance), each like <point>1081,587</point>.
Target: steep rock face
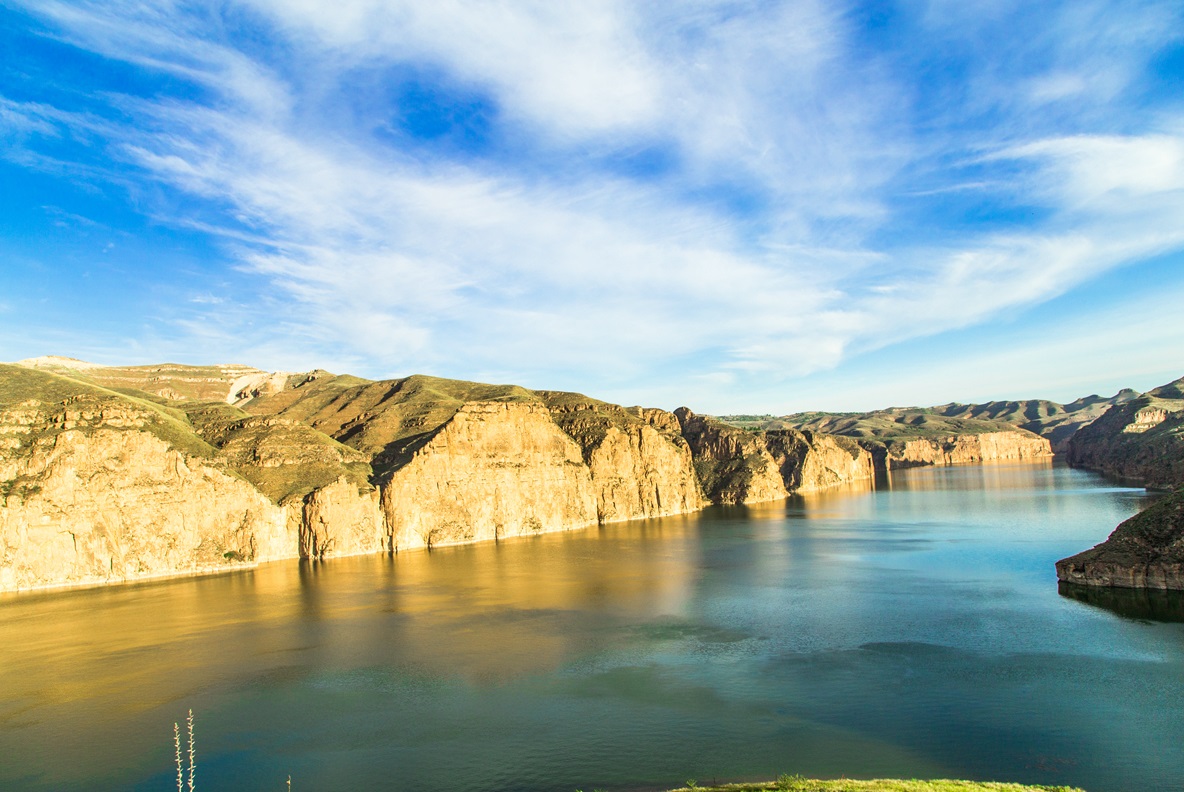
<point>639,473</point>
<point>734,466</point>
<point>107,505</point>
<point>639,462</point>
<point>493,470</point>
<point>962,449</point>
<point>1146,551</point>
<point>810,462</point>
<point>339,519</point>
<point>1141,441</point>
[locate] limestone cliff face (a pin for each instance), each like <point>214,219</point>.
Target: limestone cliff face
<point>639,473</point>
<point>810,462</point>
<point>639,462</point>
<point>339,519</point>
<point>963,449</point>
<point>493,470</point>
<point>738,466</point>
<point>1146,551</point>
<point>734,466</point>
<point>93,504</point>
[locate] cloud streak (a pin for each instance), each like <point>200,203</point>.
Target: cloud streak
<point>755,251</point>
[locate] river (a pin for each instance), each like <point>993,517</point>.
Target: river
<point>915,630</point>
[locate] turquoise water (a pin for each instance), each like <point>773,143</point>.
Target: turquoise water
<point>913,631</point>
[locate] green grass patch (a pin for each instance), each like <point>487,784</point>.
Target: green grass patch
<point>19,384</point>
<point>799,784</point>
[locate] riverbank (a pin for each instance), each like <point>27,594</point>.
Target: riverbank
<point>798,784</point>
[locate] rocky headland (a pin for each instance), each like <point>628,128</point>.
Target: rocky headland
<point>1140,441</point>
<point>1146,551</point>
<point>120,474</point>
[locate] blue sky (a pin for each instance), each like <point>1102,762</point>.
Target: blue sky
<point>761,206</point>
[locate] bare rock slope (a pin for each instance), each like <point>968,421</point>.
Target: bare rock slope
<point>739,466</point>
<point>1141,441</point>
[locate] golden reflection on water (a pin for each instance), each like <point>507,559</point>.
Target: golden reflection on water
<point>135,658</point>
<point>92,681</point>
<point>987,477</point>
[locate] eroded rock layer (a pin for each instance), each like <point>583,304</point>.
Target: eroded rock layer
<point>1005,446</point>
<point>87,503</point>
<point>738,466</point>
<point>1146,551</point>
<point>494,470</point>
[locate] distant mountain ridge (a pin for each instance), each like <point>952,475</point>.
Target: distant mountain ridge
<point>1054,421</point>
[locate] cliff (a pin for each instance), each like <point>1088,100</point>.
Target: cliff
<point>1055,422</point>
<point>809,461</point>
<point>639,462</point>
<point>1146,551</point>
<point>738,466</point>
<point>1000,446</point>
<point>207,470</point>
<point>492,471</point>
<point>100,488</point>
<point>1141,440</point>
<point>912,437</point>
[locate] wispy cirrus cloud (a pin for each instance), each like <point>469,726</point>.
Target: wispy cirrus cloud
<point>701,188</point>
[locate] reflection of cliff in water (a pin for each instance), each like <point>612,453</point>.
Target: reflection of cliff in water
<point>1154,604</point>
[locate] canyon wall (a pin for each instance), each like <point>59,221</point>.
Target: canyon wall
<point>1140,441</point>
<point>1005,446</point>
<point>737,466</point>
<point>92,497</point>
<point>494,470</point>
<point>223,467</point>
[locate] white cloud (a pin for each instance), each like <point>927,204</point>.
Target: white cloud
<point>473,265</point>
<point>1101,172</point>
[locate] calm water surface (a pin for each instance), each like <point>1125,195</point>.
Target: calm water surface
<point>914,631</point>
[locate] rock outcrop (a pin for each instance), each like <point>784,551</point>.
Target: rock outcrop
<point>1146,551</point>
<point>639,462</point>
<point>734,466</point>
<point>1004,446</point>
<point>339,519</point>
<point>1141,441</point>
<point>492,471</point>
<point>809,461</point>
<point>738,466</point>
<point>93,495</point>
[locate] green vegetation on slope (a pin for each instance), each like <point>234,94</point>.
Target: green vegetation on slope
<point>1056,422</point>
<point>171,381</point>
<point>898,423</point>
<point>799,784</point>
<point>283,459</point>
<point>386,420</point>
<point>57,392</point>
<point>588,420</point>
<point>1141,440</point>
